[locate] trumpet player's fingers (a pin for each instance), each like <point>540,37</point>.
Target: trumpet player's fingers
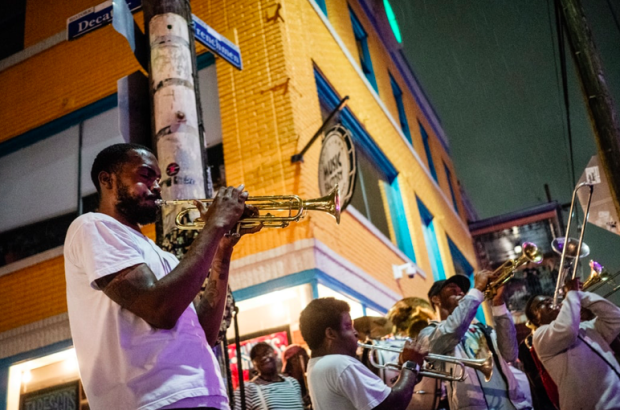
<point>412,352</point>
<point>250,211</point>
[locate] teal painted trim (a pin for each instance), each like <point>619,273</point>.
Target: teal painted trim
<point>334,284</point>
<point>58,125</point>
<point>204,60</point>
<point>32,354</point>
<point>430,238</point>
<point>322,6</point>
<point>289,281</point>
<point>399,219</point>
<point>311,276</point>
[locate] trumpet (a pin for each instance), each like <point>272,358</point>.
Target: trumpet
<point>289,208</point>
<point>505,272</point>
<point>485,366</point>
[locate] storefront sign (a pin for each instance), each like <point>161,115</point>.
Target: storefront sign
<point>337,164</point>
<point>63,397</point>
<point>278,340</point>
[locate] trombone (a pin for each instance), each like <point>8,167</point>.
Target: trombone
<point>507,270</point>
<point>574,245</point>
<point>290,208</point>
<point>485,366</point>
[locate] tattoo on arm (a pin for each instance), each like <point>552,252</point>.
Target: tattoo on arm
<point>212,294</point>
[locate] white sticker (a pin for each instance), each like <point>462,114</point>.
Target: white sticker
<point>593,175</point>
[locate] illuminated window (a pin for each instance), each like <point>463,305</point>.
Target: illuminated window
<point>37,381</point>
<point>281,307</point>
<point>357,310</point>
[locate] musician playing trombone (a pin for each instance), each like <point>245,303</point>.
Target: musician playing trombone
<point>456,304</point>
<point>140,340</point>
<point>576,353</point>
<point>336,379</point>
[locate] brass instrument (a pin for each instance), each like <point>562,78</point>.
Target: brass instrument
<point>571,248</point>
<point>485,366</point>
<point>597,274</point>
<point>289,208</point>
<point>505,272</point>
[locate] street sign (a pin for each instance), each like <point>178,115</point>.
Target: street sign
<point>100,15</point>
<point>217,43</point>
<point>94,17</point>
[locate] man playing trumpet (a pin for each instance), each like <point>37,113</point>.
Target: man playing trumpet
<point>336,379</point>
<point>576,353</point>
<point>140,340</point>
<point>456,304</point>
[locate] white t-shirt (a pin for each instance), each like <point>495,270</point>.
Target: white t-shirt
<point>344,383</point>
<point>124,362</point>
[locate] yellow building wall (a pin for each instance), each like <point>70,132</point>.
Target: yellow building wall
<point>269,112</point>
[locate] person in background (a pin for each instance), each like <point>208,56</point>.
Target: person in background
<point>294,364</point>
<point>336,379</point>
<point>455,335</point>
<point>269,390</point>
<point>576,353</point>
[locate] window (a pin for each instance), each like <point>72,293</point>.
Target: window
<point>367,198</point>
<point>430,238</point>
<point>377,195</point>
<point>449,176</point>
<point>361,40</point>
<point>402,116</point>
<point>12,25</point>
<point>427,149</point>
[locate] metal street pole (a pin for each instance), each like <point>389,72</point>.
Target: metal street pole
<point>178,132</point>
<point>600,104</point>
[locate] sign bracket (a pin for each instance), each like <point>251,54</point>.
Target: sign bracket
<point>300,156</point>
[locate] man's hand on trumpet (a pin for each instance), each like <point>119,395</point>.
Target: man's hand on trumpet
<point>482,278</point>
<point>412,353</point>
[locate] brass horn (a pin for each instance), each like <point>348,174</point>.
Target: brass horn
<point>597,274</point>
<point>572,248</point>
<point>505,272</point>
<point>287,209</point>
<point>485,366</point>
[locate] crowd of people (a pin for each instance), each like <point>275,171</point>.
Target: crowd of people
<point>143,339</point>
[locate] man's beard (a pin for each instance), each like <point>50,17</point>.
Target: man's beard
<point>130,207</point>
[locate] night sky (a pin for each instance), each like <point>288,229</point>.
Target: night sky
<point>491,69</point>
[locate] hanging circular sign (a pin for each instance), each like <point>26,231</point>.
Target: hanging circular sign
<point>338,164</point>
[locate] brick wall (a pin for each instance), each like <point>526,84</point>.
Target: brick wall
<point>269,112</point>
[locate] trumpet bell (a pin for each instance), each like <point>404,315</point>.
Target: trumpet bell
<point>571,249</point>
